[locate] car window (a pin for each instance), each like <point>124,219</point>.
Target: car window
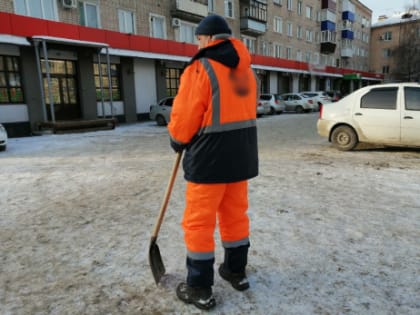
<point>265,97</point>
<point>278,97</point>
<point>169,101</point>
<point>380,98</point>
<point>412,98</point>
<point>310,94</point>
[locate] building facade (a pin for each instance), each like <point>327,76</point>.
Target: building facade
<point>395,47</point>
<point>79,60</point>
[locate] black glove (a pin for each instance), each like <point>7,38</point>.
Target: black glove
<point>178,147</point>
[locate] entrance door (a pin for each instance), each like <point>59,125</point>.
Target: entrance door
<point>63,90</point>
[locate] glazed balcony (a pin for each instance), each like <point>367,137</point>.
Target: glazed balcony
<point>253,17</point>
<point>189,10</point>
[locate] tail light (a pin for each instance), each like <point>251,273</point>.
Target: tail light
<point>310,102</point>
<point>277,102</point>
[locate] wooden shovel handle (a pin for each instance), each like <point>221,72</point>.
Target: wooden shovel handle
<point>167,195</point>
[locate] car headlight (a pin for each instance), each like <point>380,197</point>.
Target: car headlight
<point>2,128</point>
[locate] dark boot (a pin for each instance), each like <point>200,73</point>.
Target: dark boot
<point>238,280</point>
<point>233,268</point>
<point>201,297</point>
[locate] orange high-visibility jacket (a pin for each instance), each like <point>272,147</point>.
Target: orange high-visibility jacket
<point>214,115</point>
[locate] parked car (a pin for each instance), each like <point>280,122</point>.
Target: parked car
<point>161,111</point>
<point>3,138</point>
<point>320,97</point>
<point>263,108</point>
<point>275,101</point>
<point>297,102</point>
<point>384,114</point>
<point>334,95</point>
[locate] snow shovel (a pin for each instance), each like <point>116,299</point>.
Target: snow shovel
<point>155,259</point>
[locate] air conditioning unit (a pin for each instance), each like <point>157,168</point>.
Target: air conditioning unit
<point>69,4</point>
<point>176,22</point>
<point>382,37</point>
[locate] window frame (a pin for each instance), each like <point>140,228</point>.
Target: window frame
<point>43,3</point>
<point>82,10</point>
<point>115,76</point>
<point>384,99</point>
<point>124,14</point>
<point>7,76</point>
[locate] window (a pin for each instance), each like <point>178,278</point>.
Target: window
<point>10,85</point>
<point>299,55</point>
<point>290,5</point>
<point>43,9</point>
<point>210,5</point>
<point>250,44</point>
<point>126,21</point>
<point>289,29</point>
<point>299,32</point>
<point>299,7</point>
<point>387,36</point>
<point>328,37</point>
<point>278,24</point>
<point>308,35</point>
<point>309,12</point>
<point>89,15</point>
<point>386,52</point>
<point>229,8</point>
<point>385,69</point>
<point>381,98</point>
<point>308,56</point>
<point>186,33</point>
<point>157,26</point>
<point>277,51</point>
<point>265,48</point>
<point>279,2</point>
<point>412,98</point>
<point>289,53</point>
<point>115,80</point>
<point>172,81</point>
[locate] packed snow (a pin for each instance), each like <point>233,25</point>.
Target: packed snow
<point>331,232</point>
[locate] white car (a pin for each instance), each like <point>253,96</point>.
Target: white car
<point>384,114</point>
<point>3,138</point>
<point>275,101</point>
<point>320,97</point>
<point>263,108</point>
<point>161,112</point>
<point>299,103</point>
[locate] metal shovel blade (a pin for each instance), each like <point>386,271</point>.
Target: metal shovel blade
<point>155,261</point>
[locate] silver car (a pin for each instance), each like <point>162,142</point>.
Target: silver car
<point>161,112</point>
<point>275,101</point>
<point>299,103</point>
<point>3,138</point>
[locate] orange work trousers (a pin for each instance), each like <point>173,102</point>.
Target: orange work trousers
<point>204,202</point>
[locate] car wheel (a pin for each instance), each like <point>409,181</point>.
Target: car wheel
<point>160,120</point>
<point>299,109</point>
<point>272,111</point>
<point>3,148</point>
<point>344,138</point>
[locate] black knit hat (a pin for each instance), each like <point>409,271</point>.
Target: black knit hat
<point>212,25</point>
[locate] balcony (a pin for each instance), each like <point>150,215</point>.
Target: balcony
<point>329,4</point>
<point>253,17</point>
<point>193,11</point>
<point>347,52</point>
<point>328,48</point>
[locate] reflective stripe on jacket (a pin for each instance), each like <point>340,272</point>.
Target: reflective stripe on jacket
<point>214,115</point>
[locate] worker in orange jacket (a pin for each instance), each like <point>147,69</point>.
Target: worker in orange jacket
<point>214,120</point>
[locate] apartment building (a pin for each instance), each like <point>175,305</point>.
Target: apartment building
<point>395,47</point>
<point>79,60</point>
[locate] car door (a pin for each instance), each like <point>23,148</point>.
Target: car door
<point>410,116</point>
<point>288,102</point>
<point>377,116</point>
